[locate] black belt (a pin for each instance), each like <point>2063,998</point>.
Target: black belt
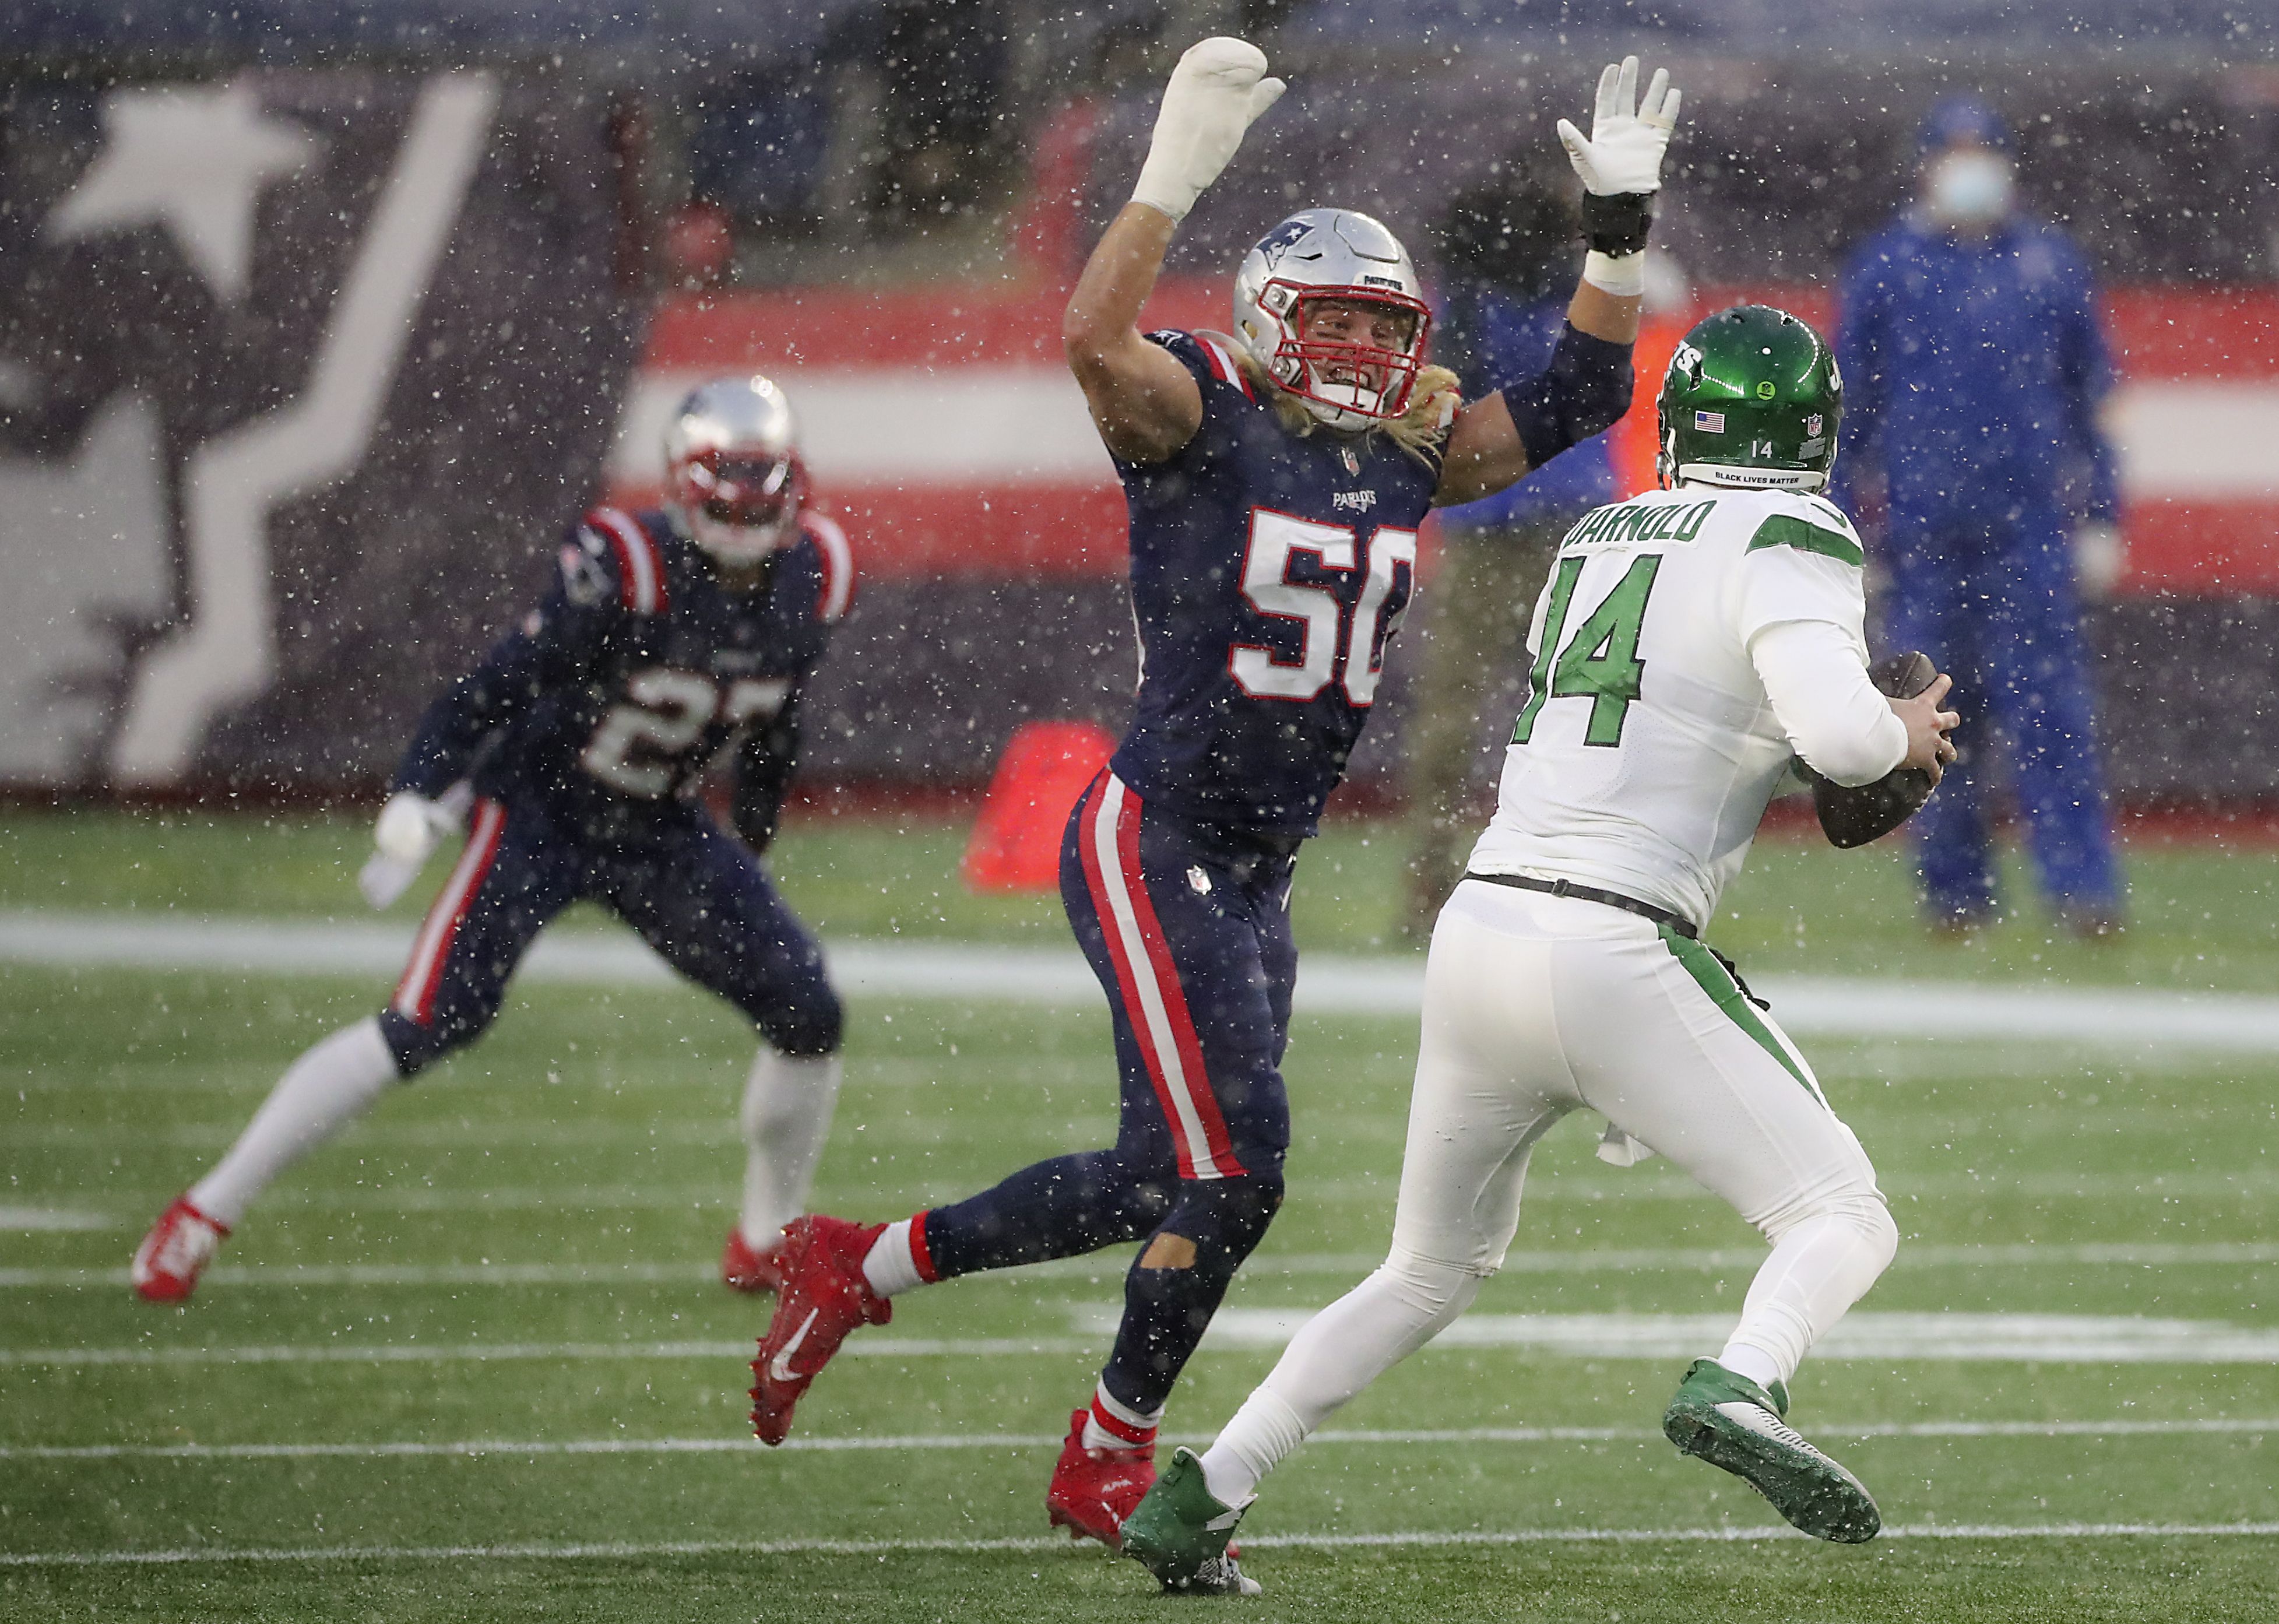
<point>1683,925</point>
<point>1678,922</point>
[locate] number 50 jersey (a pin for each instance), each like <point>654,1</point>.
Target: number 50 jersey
<point>1268,572</point>
<point>1647,748</point>
<point>637,670</point>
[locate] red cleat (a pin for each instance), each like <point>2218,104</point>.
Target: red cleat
<point>823,1297</point>
<point>746,1267</point>
<point>1095,1489</point>
<point>175,1253</point>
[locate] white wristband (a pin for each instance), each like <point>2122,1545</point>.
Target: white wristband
<point>1172,200</point>
<point>1623,277</point>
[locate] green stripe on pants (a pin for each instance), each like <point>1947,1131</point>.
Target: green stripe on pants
<point>1726,994</point>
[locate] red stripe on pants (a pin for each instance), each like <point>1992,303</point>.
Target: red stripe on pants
<point>1091,809</point>
<point>1221,1157</point>
<point>431,949</point>
<point>1136,948</point>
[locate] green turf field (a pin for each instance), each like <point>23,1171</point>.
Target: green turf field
<point>469,1362</point>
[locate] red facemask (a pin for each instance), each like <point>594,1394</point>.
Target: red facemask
<point>1349,376</point>
<point>742,508</point>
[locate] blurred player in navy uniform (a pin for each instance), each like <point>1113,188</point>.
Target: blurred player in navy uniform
<point>1974,368</point>
<point>666,639</point>
<point>1276,478</point>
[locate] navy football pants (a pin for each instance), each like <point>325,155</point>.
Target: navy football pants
<point>1190,936</point>
<point>693,893</point>
<point>1993,604</point>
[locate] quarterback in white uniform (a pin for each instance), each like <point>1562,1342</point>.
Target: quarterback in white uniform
<point>1689,644</point>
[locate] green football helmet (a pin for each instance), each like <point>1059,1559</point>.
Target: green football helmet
<point>1752,399</point>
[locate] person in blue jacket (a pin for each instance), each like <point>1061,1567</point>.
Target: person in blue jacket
<point>1504,248</point>
<point>1974,368</point>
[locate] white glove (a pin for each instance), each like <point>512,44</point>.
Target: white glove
<point>409,827</point>
<point>407,832</point>
<point>2099,555</point>
<point>1218,88</point>
<point>1623,153</point>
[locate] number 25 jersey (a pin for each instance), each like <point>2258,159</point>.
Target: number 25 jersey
<point>1268,572</point>
<point>1647,749</point>
<point>636,671</point>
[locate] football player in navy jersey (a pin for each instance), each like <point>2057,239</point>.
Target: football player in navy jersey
<point>1276,478</point>
<point>667,639</point>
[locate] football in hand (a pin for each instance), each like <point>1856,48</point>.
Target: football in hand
<point>1852,817</point>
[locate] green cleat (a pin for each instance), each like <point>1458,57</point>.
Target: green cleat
<point>1180,1533</point>
<point>1730,1421</point>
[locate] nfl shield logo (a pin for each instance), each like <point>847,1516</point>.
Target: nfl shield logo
<point>1812,425</point>
<point>1709,422</point>
<point>1351,457</point>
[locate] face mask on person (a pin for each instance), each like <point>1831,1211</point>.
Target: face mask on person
<point>1970,188</point>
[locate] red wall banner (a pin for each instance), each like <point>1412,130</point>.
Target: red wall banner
<point>942,424</point>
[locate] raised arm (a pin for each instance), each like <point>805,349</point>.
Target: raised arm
<point>1144,403</point>
<point>1521,423</point>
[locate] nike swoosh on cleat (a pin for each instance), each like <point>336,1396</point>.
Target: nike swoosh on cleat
<point>779,1367</point>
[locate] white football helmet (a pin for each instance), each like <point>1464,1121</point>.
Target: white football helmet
<point>732,468</point>
<point>1316,255</point>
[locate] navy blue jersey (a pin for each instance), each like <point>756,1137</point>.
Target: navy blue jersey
<point>1269,570</point>
<point>635,673</point>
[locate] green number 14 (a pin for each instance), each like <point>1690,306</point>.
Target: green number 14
<point>1601,661</point>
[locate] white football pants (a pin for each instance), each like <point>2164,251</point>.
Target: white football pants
<point>1534,1006</point>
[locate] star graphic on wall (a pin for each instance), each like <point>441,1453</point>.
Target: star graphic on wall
<point>193,161</point>
<point>88,546</point>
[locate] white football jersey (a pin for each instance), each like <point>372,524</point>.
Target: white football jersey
<point>1647,748</point>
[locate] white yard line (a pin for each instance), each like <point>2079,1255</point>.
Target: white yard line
<point>2028,1338</point>
<point>917,1443</point>
<point>2117,1016</point>
<point>608,1551</point>
<point>299,1277</point>
<point>438,1353</point>
<point>1653,1181</point>
<point>914,1133</point>
<point>310,1276</point>
<point>477,1137</point>
<point>29,1220</point>
<point>2031,1338</point>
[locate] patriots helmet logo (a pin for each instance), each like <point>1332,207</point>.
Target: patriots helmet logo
<point>1282,238</point>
